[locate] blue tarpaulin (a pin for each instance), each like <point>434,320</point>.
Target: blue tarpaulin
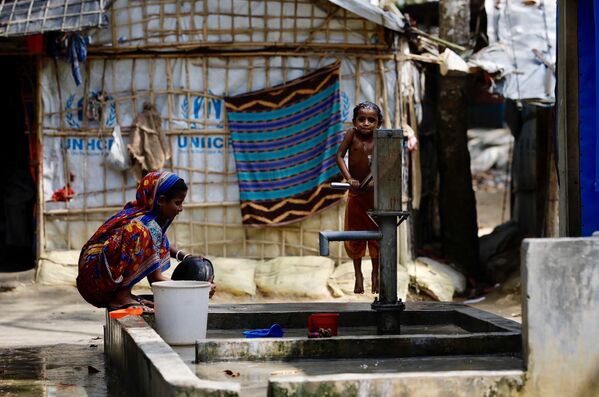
<point>588,66</point>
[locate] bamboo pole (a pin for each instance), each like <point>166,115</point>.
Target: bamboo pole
<point>345,51</point>
<point>366,47</point>
<point>205,112</point>
<point>117,109</point>
<point>188,149</point>
<point>171,110</point>
<point>383,93</point>
<point>39,111</point>
<point>357,80</point>
<point>226,158</point>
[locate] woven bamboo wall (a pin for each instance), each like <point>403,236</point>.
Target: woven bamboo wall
<point>211,223</point>
<point>167,25</point>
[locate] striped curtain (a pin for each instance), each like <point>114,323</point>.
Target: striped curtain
<point>285,140</point>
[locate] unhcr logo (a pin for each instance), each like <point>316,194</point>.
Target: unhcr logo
<point>89,146</point>
<point>97,103</point>
<point>201,144</point>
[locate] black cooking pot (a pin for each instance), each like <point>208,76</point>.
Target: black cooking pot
<point>194,268</point>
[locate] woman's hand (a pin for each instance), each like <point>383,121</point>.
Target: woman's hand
<point>180,255</point>
<point>212,289</point>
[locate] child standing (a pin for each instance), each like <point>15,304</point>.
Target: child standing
<point>359,142</point>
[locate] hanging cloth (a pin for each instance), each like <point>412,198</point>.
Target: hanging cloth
<point>149,145</point>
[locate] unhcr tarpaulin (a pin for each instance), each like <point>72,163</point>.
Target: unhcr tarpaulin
<point>285,140</point>
<point>71,154</point>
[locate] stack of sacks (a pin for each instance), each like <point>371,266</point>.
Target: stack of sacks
<point>437,279</point>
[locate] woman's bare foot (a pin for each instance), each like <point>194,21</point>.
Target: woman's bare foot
<point>359,285</point>
<point>143,301</point>
<point>124,299</point>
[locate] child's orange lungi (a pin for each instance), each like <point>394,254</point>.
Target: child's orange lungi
<point>356,218</point>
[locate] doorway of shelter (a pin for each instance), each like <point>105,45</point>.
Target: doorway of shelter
<point>17,172</point>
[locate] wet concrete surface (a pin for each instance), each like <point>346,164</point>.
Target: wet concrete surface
<point>51,344</point>
<point>59,370</point>
<point>253,376</point>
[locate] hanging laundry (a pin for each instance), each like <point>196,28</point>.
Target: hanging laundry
<point>77,53</point>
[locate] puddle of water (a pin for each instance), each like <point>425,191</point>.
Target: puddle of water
<point>61,370</point>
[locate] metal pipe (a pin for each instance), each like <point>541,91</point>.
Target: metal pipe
<point>388,261</point>
<point>325,237</point>
<point>340,185</point>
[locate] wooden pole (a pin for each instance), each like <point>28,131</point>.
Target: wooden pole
<point>457,205</point>
<point>570,222</point>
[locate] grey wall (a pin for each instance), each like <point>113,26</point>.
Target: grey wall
<point>560,281</point>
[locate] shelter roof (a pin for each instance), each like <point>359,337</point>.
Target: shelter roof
<point>26,17</point>
<point>372,13</point>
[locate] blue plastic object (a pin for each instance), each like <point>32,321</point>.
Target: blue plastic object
<point>275,331</point>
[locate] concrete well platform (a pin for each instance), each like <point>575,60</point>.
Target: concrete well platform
<point>438,338</point>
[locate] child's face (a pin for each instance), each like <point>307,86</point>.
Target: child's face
<point>366,121</point>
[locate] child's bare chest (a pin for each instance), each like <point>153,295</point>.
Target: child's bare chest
<point>360,146</point>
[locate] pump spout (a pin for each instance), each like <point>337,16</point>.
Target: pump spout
<point>329,235</point>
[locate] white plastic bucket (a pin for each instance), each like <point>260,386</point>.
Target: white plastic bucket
<point>181,309</point>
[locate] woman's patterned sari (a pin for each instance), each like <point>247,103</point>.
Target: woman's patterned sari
<point>122,251</point>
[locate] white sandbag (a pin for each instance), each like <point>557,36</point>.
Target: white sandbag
<point>235,275</point>
<point>58,267</point>
<point>434,283</point>
<point>335,288</point>
<point>298,276</point>
<point>345,279</point>
<point>457,278</point>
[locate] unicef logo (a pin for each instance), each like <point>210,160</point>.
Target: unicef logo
<point>214,110</point>
<point>97,103</point>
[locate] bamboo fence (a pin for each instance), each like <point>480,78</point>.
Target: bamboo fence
<point>207,227</point>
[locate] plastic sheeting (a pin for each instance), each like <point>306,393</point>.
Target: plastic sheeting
<point>372,13</point>
<point>236,23</point>
<point>588,42</point>
<point>26,17</point>
<point>208,156</point>
<point>522,49</point>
